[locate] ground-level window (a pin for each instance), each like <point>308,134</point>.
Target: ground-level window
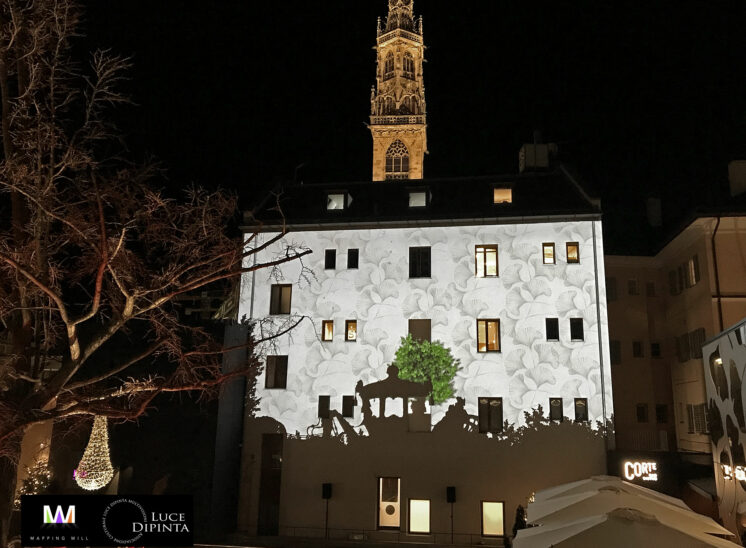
<point>488,335</point>
<point>276,375</point>
<point>348,406</point>
<point>581,409</point>
<point>485,261</point>
<point>555,409</point>
<point>548,252</point>
<point>419,516</point>
<point>324,406</point>
<point>420,330</point>
<point>389,511</point>
<point>490,415</point>
<point>493,519</point>
<point>327,330</point>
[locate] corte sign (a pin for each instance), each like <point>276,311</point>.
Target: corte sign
<point>644,470</point>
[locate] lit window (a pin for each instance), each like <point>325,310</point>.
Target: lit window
<point>552,325</point>
<point>581,409</point>
<point>486,261</point>
<point>419,262</point>
<point>327,330</point>
<point>279,302</point>
<point>490,415</point>
<point>397,161</point>
<point>573,252</point>
<point>555,409</point>
<point>388,503</point>
<point>330,259</point>
<point>348,406</point>
<point>335,201</point>
<point>276,373</point>
<point>548,253</point>
<point>408,66</point>
<point>418,198</point>
<point>419,516</point>
<point>353,256</point>
<point>493,519</point>
<point>692,271</point>
<point>502,195</point>
<point>576,329</point>
<point>351,330</point>
<point>488,335</point>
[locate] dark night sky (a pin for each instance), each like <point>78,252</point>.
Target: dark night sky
<point>644,100</point>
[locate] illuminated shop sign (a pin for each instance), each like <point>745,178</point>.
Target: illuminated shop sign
<point>644,470</point>
<point>738,471</point>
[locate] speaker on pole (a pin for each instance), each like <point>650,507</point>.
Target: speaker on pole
<point>326,490</point>
<point>450,494</point>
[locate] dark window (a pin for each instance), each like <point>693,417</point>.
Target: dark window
<point>388,66</point>
<point>330,259</point>
<point>581,409</point>
<point>408,66</point>
<point>655,350</point>
<point>352,258</point>
<point>490,414</point>
<point>661,413</point>
<point>485,261</point>
<point>573,252</point>
<point>488,335</point>
<point>279,302</point>
<point>650,289</point>
<point>555,409</point>
<point>611,289</point>
<point>277,372</point>
<point>632,287</point>
<point>324,407</point>
<point>681,278</point>
<point>615,348</point>
<point>576,329</point>
<point>348,406</point>
<point>696,340</point>
<point>682,348</point>
<point>552,329</point>
<point>420,330</point>
<point>351,330</point>
<point>548,253</point>
<point>673,286</point>
<point>637,349</point>
<point>642,412</point>
<point>397,161</point>
<point>327,330</point>
<point>419,262</point>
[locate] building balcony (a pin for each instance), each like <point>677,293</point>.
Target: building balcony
<point>397,120</point>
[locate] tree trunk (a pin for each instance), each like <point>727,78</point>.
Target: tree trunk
<point>8,477</point>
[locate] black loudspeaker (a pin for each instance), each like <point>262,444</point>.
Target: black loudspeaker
<point>326,490</point>
<point>450,494</point>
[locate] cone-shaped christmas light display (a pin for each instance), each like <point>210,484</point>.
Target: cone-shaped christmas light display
<point>95,470</point>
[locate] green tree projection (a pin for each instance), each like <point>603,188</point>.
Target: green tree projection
<point>422,361</point>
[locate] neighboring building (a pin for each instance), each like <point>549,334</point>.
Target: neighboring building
<point>724,359</point>
<point>661,310</point>
<point>506,271</point>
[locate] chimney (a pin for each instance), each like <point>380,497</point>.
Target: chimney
<point>737,177</point>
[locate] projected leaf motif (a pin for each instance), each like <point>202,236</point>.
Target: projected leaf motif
<point>382,297</point>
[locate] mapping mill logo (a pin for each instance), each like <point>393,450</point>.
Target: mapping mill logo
<point>59,516</point>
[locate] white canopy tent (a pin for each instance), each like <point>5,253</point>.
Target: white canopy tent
<point>564,509</point>
<point>619,528</point>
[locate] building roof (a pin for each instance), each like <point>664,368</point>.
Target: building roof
<point>536,197</point>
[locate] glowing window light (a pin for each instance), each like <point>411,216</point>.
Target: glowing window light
<point>351,330</point>
<point>502,196</point>
<point>492,519</point>
<point>327,330</point>
<point>95,470</point>
<point>419,516</point>
<point>548,253</point>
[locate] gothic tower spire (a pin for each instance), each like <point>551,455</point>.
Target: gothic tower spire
<point>397,117</point>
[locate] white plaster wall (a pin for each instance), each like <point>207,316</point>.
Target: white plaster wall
<point>382,298</point>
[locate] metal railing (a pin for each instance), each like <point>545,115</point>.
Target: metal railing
<point>395,120</point>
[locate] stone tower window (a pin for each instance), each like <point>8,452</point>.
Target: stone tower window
<point>397,161</point>
<point>408,66</point>
<point>388,66</point>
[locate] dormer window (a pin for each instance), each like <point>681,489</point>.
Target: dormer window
<point>336,200</point>
<point>418,198</point>
<point>502,195</point>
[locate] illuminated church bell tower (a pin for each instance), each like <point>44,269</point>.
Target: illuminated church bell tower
<point>397,102</point>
